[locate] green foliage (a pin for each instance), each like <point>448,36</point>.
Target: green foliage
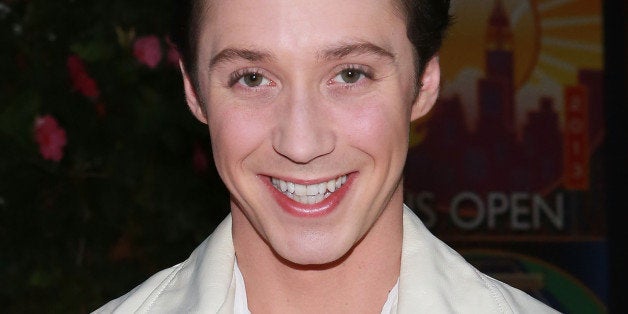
<point>125,200</point>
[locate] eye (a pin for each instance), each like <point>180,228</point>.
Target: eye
<point>253,79</point>
<point>350,76</point>
<point>250,78</point>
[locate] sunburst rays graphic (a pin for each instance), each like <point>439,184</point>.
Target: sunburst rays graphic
<point>552,41</point>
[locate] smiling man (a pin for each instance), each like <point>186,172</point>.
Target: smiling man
<point>308,105</point>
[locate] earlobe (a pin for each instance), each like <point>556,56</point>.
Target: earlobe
<point>428,93</point>
<point>191,97</point>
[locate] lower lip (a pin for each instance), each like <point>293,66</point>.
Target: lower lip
<point>322,208</point>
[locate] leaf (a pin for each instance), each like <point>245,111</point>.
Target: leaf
<point>93,51</point>
<point>16,119</point>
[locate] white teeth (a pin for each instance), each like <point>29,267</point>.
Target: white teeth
<point>319,198</point>
<point>312,189</point>
<point>299,189</point>
<point>331,185</point>
<point>283,186</point>
<point>311,193</point>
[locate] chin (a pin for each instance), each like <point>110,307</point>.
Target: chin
<point>316,255</point>
<point>314,262</point>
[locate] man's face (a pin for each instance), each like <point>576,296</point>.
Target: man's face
<point>308,105</point>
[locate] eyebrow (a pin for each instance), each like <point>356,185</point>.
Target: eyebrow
<point>230,54</point>
<point>358,48</point>
<point>334,53</point>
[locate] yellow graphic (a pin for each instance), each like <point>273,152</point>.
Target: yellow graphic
<point>551,40</point>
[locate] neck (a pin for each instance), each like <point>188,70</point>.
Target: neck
<point>357,283</point>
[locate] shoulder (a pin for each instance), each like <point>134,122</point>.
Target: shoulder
<point>435,278</point>
<point>140,296</point>
<point>200,283</point>
<point>512,300</point>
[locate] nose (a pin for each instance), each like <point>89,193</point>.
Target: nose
<point>303,131</point>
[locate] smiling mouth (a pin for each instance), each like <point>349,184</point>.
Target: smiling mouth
<point>308,193</point>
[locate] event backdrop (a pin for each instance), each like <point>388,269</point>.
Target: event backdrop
<point>507,167</point>
<point>106,178</point>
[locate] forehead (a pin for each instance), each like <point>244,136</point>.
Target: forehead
<point>298,25</point>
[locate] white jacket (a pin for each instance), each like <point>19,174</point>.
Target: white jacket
<point>433,279</point>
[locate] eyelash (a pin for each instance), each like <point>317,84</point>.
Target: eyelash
<point>367,72</point>
<point>362,69</point>
<point>237,75</point>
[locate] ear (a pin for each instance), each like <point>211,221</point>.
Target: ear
<point>196,106</point>
<point>428,93</point>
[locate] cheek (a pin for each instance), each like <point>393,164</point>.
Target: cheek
<point>235,134</point>
<point>379,126</point>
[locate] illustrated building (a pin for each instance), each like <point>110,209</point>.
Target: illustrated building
<point>496,90</point>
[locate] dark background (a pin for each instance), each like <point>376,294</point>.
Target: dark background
<point>616,145</point>
<point>136,190</point>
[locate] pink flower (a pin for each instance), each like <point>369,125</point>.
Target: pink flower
<point>75,66</point>
<point>147,50</point>
<point>200,162</point>
<point>50,137</point>
<point>81,81</point>
<point>88,87</point>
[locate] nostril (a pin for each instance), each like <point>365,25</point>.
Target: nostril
<point>301,144</point>
<point>303,130</point>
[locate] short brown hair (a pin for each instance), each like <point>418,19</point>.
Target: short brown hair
<point>426,23</point>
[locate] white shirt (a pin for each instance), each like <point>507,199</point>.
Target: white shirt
<point>433,278</point>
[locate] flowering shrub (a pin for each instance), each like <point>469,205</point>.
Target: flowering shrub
<point>50,138</point>
<point>147,50</point>
<point>81,81</point>
<point>105,177</point>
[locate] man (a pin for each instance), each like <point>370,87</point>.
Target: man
<point>308,105</point>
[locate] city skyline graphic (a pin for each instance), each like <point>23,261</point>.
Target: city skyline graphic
<point>507,167</point>
<point>532,142</point>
